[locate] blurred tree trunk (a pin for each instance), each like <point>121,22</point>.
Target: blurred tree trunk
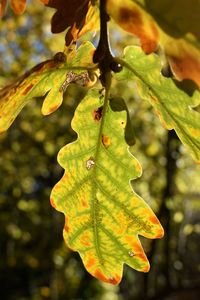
<point>172,151</point>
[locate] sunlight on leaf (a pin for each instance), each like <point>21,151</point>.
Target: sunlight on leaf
<point>173,106</point>
<point>183,53</point>
<point>103,215</point>
<point>77,16</point>
<point>47,77</point>
<point>18,6</point>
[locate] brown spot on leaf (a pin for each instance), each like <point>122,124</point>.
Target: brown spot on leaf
<point>27,89</point>
<point>131,20</point>
<point>84,202</point>
<point>97,114</point>
<point>129,15</point>
<point>106,141</point>
<point>66,227</point>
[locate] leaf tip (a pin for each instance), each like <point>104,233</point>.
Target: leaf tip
<point>159,233</point>
<point>49,110</point>
<point>146,268</point>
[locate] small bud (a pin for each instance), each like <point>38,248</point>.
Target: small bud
<point>115,66</point>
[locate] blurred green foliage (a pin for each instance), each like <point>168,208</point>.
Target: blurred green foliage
<point>34,262</point>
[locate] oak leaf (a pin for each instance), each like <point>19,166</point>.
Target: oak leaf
<point>139,19</point>
<point>175,108</point>
<point>103,215</point>
<point>77,16</point>
<point>47,80</point>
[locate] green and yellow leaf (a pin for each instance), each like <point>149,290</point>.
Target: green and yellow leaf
<point>45,79</point>
<point>103,215</point>
<point>174,107</point>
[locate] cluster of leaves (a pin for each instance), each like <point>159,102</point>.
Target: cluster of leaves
<point>104,216</point>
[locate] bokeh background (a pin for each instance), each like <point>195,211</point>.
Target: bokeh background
<point>35,264</point>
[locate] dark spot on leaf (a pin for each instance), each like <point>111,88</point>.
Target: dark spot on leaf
<point>29,87</point>
<point>127,15</point>
<point>131,21</point>
<point>97,114</point>
<point>105,140</point>
<point>66,227</point>
<point>59,57</point>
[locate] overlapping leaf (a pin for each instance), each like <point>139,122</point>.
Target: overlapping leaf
<point>173,106</point>
<point>103,214</point>
<point>46,77</point>
<point>77,16</point>
<point>182,50</point>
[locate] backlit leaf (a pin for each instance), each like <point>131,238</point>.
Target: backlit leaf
<point>103,215</point>
<point>182,50</point>
<point>173,106</point>
<point>47,77</point>
<point>18,6</point>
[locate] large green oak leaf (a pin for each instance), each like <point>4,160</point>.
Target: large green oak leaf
<point>175,108</point>
<point>103,215</point>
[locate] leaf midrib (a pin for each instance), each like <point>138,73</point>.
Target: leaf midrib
<point>94,201</point>
<point>180,128</point>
